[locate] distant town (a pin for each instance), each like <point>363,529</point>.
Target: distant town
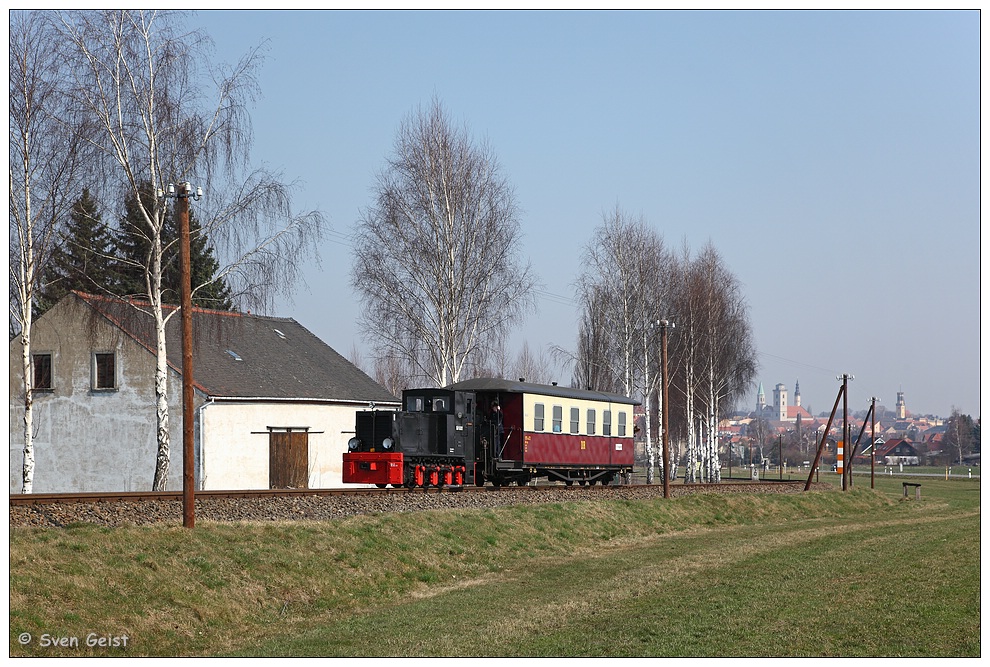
<point>780,428</point>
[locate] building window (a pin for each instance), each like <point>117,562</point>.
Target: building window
<point>607,422</point>
<point>104,370</point>
<point>575,420</point>
<point>41,372</point>
<point>538,417</point>
<point>558,419</point>
<point>591,422</point>
<point>622,425</point>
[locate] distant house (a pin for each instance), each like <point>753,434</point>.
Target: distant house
<point>274,405</point>
<point>896,452</point>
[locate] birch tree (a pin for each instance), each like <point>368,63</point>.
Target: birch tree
<point>139,79</point>
<point>438,263</point>
<point>44,165</point>
<point>727,354</point>
<point>624,289</point>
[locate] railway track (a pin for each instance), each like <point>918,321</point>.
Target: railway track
<point>20,500</point>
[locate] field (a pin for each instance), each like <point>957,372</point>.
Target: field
<point>857,573</point>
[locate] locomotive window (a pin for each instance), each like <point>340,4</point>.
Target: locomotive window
<point>414,404</point>
<point>439,405</point>
<point>558,418</point>
<point>622,425</point>
<point>538,417</point>
<point>575,420</point>
<point>591,422</point>
<point>607,422</point>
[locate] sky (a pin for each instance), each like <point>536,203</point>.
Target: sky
<point>832,158</point>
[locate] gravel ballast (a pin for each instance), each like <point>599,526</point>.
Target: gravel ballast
<point>331,507</point>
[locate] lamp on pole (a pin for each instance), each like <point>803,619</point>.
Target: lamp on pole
<point>182,193</point>
<point>666,406</point>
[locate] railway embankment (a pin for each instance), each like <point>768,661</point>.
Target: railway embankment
<point>300,507</point>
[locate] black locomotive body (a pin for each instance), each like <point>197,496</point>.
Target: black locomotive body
<point>492,430</point>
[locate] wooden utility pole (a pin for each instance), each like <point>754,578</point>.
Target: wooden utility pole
<point>821,445</point>
<point>182,194</point>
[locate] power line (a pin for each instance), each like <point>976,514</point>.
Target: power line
<point>799,364</point>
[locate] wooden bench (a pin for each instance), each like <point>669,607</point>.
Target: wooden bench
<point>917,489</point>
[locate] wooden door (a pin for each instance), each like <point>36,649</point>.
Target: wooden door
<point>288,459</point>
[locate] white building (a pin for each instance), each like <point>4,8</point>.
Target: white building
<point>274,405</point>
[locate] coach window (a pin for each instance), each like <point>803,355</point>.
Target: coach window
<point>538,417</point>
<point>41,372</point>
<point>607,422</point>
<point>622,425</point>
<point>558,418</point>
<point>575,420</point>
<point>591,422</point>
<point>104,371</point>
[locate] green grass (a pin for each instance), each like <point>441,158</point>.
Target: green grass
<point>858,573</point>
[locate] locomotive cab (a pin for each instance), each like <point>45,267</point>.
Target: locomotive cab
<point>427,443</point>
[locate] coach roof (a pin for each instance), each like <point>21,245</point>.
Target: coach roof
<point>518,387</point>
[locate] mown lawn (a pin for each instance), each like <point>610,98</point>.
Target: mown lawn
<point>859,573</point>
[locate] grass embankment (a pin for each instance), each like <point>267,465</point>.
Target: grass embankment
<point>859,573</point>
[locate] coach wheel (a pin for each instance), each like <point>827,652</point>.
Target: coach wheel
<point>581,482</point>
<point>568,482</point>
<point>381,486</point>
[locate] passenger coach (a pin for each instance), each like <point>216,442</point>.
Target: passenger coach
<point>493,430</point>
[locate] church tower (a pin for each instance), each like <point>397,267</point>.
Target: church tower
<point>797,393</point>
<point>901,407</point>
<point>761,401</point>
<point>780,402</point>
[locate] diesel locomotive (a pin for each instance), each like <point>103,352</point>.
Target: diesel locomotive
<point>496,431</point>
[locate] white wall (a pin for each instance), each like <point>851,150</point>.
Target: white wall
<point>86,440</point>
<point>236,449</point>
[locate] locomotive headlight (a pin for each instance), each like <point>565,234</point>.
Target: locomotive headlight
<point>353,443</point>
<point>387,443</point>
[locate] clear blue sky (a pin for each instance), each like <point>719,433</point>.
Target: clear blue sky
<point>833,158</point>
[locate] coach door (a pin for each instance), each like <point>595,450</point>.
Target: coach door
<point>288,459</point>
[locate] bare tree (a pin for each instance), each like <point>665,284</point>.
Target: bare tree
<point>44,161</point>
<point>727,355</point>
<point>437,261</point>
<point>625,292</point>
<point>137,79</point>
<point>534,367</point>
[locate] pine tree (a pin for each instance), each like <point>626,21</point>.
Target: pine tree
<point>214,293</point>
<point>81,261</point>
<point>133,248</point>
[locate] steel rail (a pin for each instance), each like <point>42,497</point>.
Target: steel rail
<point>148,496</point>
